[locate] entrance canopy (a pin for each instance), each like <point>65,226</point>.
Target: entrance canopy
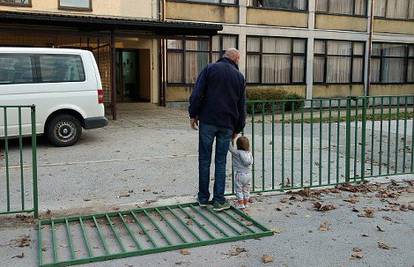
<point>101,23</point>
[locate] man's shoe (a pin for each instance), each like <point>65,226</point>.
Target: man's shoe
<point>221,206</point>
<point>204,204</point>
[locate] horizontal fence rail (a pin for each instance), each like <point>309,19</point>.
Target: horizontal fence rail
<point>18,163</point>
<point>321,142</point>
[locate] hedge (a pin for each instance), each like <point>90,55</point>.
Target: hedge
<point>273,94</point>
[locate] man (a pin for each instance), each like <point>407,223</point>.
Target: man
<point>218,108</point>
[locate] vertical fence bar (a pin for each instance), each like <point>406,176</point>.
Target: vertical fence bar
<point>301,144</point>
<point>363,136</point>
<point>54,246</point>
<point>311,145</point>
<point>6,157</point>
<point>34,163</point>
<point>412,141</point>
<point>253,150</point>
<point>389,135</point>
<point>338,140</point>
<point>263,146</point>
<point>141,226</point>
<point>348,140</point>
<point>405,132</point>
<point>100,235</point>
<point>356,139</point>
<point>320,141</point>
<point>70,242</point>
<point>381,133</point>
<point>329,141</point>
<point>283,144</point>
<point>292,144</point>
<point>21,157</point>
<point>273,145</point>
<point>372,135</point>
<point>397,135</point>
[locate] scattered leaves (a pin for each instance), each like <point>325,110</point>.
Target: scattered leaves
<point>382,245</point>
<point>236,251</point>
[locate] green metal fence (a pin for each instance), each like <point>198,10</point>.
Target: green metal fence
<point>18,164</point>
<point>322,142</point>
<point>106,236</point>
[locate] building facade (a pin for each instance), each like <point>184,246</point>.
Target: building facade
<point>153,50</point>
<point>315,48</point>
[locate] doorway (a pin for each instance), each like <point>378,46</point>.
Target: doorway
<point>133,75</point>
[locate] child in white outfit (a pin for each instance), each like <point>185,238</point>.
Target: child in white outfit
<point>242,162</point>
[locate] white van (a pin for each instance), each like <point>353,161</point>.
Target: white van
<point>63,84</point>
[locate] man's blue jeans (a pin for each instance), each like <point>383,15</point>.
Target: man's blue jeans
<point>207,133</point>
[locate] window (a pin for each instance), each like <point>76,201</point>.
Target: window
<point>187,57</point>
<point>61,68</point>
<point>75,4</point>
<point>16,69</point>
<point>228,2</point>
<point>344,7</point>
<point>394,9</point>
<point>274,60</point>
<point>339,62</point>
<point>392,63</point>
<point>16,2</point>
<point>282,4</point>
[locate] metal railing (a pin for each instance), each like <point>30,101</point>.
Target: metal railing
<point>323,142</point>
<point>18,160</point>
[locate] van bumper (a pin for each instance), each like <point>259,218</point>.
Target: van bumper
<point>96,122</point>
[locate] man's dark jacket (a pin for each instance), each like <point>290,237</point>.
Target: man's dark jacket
<point>219,96</point>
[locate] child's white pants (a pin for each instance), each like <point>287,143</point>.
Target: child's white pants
<point>242,185</point>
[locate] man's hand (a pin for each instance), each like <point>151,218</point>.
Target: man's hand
<point>194,123</point>
<point>234,136</point>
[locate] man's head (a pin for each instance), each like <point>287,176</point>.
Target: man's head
<point>233,54</point>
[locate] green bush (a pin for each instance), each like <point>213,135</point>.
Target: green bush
<point>290,100</point>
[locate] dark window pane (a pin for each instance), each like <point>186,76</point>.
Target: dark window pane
<point>393,70</point>
<point>15,69</point>
<point>15,2</point>
<point>61,68</point>
<point>174,66</point>
<point>253,69</point>
<point>318,69</point>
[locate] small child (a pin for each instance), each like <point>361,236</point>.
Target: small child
<point>242,161</point>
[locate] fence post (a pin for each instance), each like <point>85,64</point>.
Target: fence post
<point>34,163</point>
<point>363,137</point>
<point>348,140</point>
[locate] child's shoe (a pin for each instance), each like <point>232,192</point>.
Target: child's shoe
<point>240,205</point>
<point>246,203</point>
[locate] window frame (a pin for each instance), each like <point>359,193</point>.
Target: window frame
<point>68,8</point>
<point>29,4</point>
<point>340,14</point>
<point>184,51</point>
<point>406,58</point>
<point>292,55</point>
<point>306,10</point>
<point>397,19</point>
<point>325,58</point>
<point>220,3</point>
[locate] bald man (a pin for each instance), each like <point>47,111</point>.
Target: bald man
<point>218,110</point>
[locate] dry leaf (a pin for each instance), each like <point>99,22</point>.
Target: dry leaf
<point>352,200</point>
<point>368,213</point>
<point>276,230</point>
<point>18,256</point>
<point>325,226</point>
<point>237,251</point>
<point>382,245</point>
<point>357,255</point>
<point>321,207</point>
<point>267,259</point>
<point>356,250</point>
<point>184,252</point>
<point>380,229</point>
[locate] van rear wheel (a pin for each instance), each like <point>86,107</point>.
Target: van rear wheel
<point>64,130</point>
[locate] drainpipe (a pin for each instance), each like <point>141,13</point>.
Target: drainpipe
<point>371,31</point>
<point>162,56</point>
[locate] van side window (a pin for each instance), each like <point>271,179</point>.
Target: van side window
<point>16,68</point>
<point>61,68</point>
